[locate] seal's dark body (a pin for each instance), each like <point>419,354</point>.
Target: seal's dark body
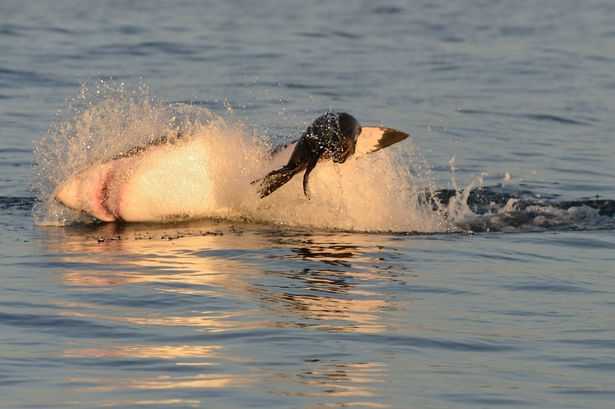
<point>331,136</point>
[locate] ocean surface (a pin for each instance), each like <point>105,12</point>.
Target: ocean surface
<point>502,306</point>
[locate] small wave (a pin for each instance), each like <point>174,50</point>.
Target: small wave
<point>17,203</point>
<point>67,326</point>
<point>12,30</point>
<point>17,78</point>
<point>533,116</point>
<point>15,150</point>
<point>387,10</point>
<point>550,287</point>
<point>144,49</point>
<point>472,345</point>
<point>554,118</point>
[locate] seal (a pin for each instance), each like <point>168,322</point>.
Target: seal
<point>331,136</point>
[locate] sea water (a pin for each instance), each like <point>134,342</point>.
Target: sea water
<point>341,303</point>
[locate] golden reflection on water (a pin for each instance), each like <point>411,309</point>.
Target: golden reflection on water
<point>201,381</point>
<point>257,267</point>
<point>165,403</point>
<point>144,351</point>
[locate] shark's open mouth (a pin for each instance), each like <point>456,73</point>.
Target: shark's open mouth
<point>90,191</point>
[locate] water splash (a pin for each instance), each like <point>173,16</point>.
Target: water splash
<point>381,192</point>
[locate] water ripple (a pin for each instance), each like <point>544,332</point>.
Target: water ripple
<point>233,315</point>
<point>10,78</point>
<point>430,343</point>
<point>533,116</point>
<point>145,48</point>
<point>485,399</point>
<point>65,326</point>
<point>551,288</point>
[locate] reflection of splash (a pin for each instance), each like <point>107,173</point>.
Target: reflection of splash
<point>228,265</point>
<point>339,314</point>
<point>327,300</point>
<point>350,384</point>
<point>334,254</point>
<point>330,298</point>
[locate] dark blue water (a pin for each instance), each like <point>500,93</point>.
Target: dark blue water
<point>228,315</point>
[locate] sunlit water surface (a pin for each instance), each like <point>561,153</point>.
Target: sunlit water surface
<point>226,314</point>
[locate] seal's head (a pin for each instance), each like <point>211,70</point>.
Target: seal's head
<point>335,135</point>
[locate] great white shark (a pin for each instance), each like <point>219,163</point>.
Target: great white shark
<point>135,186</point>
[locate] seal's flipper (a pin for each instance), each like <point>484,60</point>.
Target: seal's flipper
<point>374,138</point>
<point>306,176</point>
<point>275,179</point>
